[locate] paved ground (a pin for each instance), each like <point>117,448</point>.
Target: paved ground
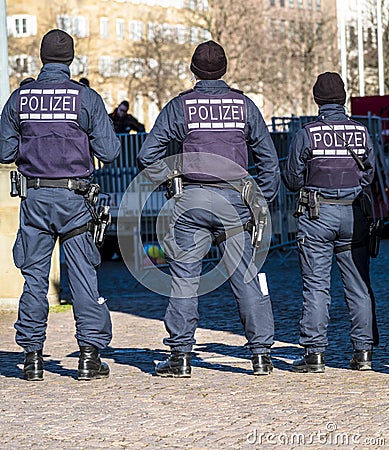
<point>222,406</point>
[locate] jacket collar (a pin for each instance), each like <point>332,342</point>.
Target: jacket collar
<point>332,111</point>
<point>54,72</point>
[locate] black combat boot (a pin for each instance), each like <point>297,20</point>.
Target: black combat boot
<point>361,360</point>
<point>90,366</point>
<point>33,366</point>
<point>177,365</point>
<point>262,364</point>
<point>310,362</point>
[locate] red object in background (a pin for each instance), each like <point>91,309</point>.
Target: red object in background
<point>376,105</point>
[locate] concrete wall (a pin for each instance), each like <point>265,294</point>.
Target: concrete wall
<point>11,281</point>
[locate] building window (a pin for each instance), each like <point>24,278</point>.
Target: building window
<point>272,2</point>
<point>65,23</point>
<point>273,28</point>
<point>80,66</point>
<point>151,31</point>
<point>20,65</point>
<point>181,33</point>
<point>80,26</point>
<point>136,30</point>
<point>138,107</point>
<point>74,25</point>
<point>309,4</point>
<point>292,29</point>
<point>282,28</point>
<point>352,36</point>
<point>136,67</point>
<point>120,33</point>
<point>104,27</point>
<point>291,3</point>
<point>105,66</point>
<point>199,5</point>
<point>205,35</point>
<point>318,5</point>
<point>21,25</point>
<point>300,4</point>
<point>122,67</point>
<point>194,35</point>
<point>282,3</point>
<point>182,70</point>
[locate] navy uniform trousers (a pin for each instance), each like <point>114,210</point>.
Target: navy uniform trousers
<point>199,215</point>
<point>338,227</point>
<point>45,214</point>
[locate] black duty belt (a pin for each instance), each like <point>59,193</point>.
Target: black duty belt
<point>67,183</point>
<point>220,185</point>
<point>336,201</point>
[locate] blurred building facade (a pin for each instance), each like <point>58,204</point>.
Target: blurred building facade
<point>140,50</point>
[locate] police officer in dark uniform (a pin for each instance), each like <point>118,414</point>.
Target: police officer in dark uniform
<point>331,161</point>
<point>52,128</point>
<point>216,125</point>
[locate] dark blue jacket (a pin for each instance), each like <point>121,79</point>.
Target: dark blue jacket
<point>94,120</point>
<point>170,125</point>
<point>300,152</point>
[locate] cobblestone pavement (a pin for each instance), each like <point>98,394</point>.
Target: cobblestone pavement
<point>223,406</point>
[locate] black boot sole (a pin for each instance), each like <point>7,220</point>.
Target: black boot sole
<point>174,373</point>
<point>88,375</point>
<point>319,368</point>
<point>32,375</point>
<point>265,370</point>
<point>355,365</point>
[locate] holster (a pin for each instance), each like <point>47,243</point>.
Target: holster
<point>174,185</point>
<point>313,205</point>
<point>375,235</point>
<point>366,204</point>
<point>254,200</point>
<point>18,184</point>
<point>308,200</point>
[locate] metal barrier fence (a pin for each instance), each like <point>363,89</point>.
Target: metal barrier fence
<point>115,179</point>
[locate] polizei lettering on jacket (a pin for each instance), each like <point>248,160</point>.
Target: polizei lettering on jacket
<point>215,146</point>
<point>332,165</point>
<point>215,113</point>
<point>48,104</point>
<point>53,144</point>
<point>332,140</point>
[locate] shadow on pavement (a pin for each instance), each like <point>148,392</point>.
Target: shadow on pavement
<point>218,311</point>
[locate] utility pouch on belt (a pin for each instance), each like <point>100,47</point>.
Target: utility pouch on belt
<point>308,200</point>
<point>174,188</point>
<point>254,200</point>
<point>302,203</point>
<point>18,184</point>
